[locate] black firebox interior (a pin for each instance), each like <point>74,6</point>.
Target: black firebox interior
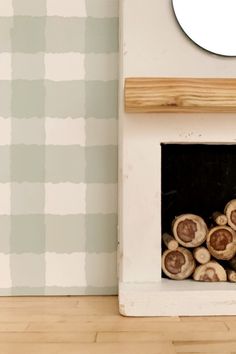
<point>197,179</point>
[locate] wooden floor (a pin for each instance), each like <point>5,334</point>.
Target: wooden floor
<point>92,325</point>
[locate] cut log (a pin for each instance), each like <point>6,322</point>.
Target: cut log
<point>170,242</point>
<point>230,212</point>
<point>233,263</point>
<point>221,242</point>
<point>219,218</point>
<point>231,275</point>
<point>211,271</point>
<point>202,255</point>
<point>178,264</point>
<point>189,230</point>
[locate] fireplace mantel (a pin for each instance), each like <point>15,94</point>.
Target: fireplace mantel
<point>180,95</point>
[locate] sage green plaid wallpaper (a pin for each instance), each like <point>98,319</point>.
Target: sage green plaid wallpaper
<point>58,146</point>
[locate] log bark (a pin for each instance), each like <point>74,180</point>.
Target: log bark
<point>231,275</point>
<point>221,242</point>
<point>178,264</point>
<point>230,212</point>
<point>170,242</point>
<point>210,272</point>
<point>202,255</point>
<point>219,218</point>
<point>189,230</point>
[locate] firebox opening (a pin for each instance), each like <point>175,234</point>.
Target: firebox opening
<point>197,179</point>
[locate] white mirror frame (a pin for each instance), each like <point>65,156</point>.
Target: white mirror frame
<point>211,24</point>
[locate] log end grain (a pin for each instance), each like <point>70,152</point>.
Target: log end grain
<point>202,255</point>
<point>221,242</point>
<point>189,230</point>
<point>178,264</point>
<point>219,218</point>
<point>170,242</point>
<point>210,272</point>
<point>230,212</point>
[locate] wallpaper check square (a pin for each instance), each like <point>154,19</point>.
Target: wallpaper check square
<point>58,146</point>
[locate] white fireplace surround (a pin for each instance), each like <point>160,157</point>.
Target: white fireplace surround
<point>152,45</point>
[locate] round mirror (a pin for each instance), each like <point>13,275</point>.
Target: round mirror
<point>211,24</point>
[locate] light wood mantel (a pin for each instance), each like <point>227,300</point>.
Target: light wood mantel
<point>180,95</point>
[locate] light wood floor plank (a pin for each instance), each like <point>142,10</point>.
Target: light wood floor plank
<point>125,324</point>
<point>101,298</point>
<point>73,317</point>
<point>126,337</point>
<point>38,304</point>
<point>95,348</point>
<point>195,347</point>
<point>13,326</point>
<point>208,318</point>
<point>231,324</point>
<point>96,309</point>
<point>205,352</point>
<point>47,318</point>
<point>52,299</point>
<point>50,337</point>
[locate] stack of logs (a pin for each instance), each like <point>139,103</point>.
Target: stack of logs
<point>213,256</point>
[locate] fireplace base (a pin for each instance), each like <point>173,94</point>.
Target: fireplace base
<point>172,298</point>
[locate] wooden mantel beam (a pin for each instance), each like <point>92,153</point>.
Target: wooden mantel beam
<point>180,95</point>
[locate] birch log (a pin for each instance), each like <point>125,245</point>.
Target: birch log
<point>178,264</point>
<point>202,255</point>
<point>189,230</point>
<point>230,212</point>
<point>170,242</point>
<point>231,275</point>
<point>219,218</point>
<point>210,272</point>
<point>221,242</point>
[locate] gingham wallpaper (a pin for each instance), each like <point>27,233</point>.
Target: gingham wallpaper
<point>58,146</point>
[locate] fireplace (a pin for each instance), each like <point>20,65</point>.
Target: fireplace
<point>154,47</point>
<point>197,179</point>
